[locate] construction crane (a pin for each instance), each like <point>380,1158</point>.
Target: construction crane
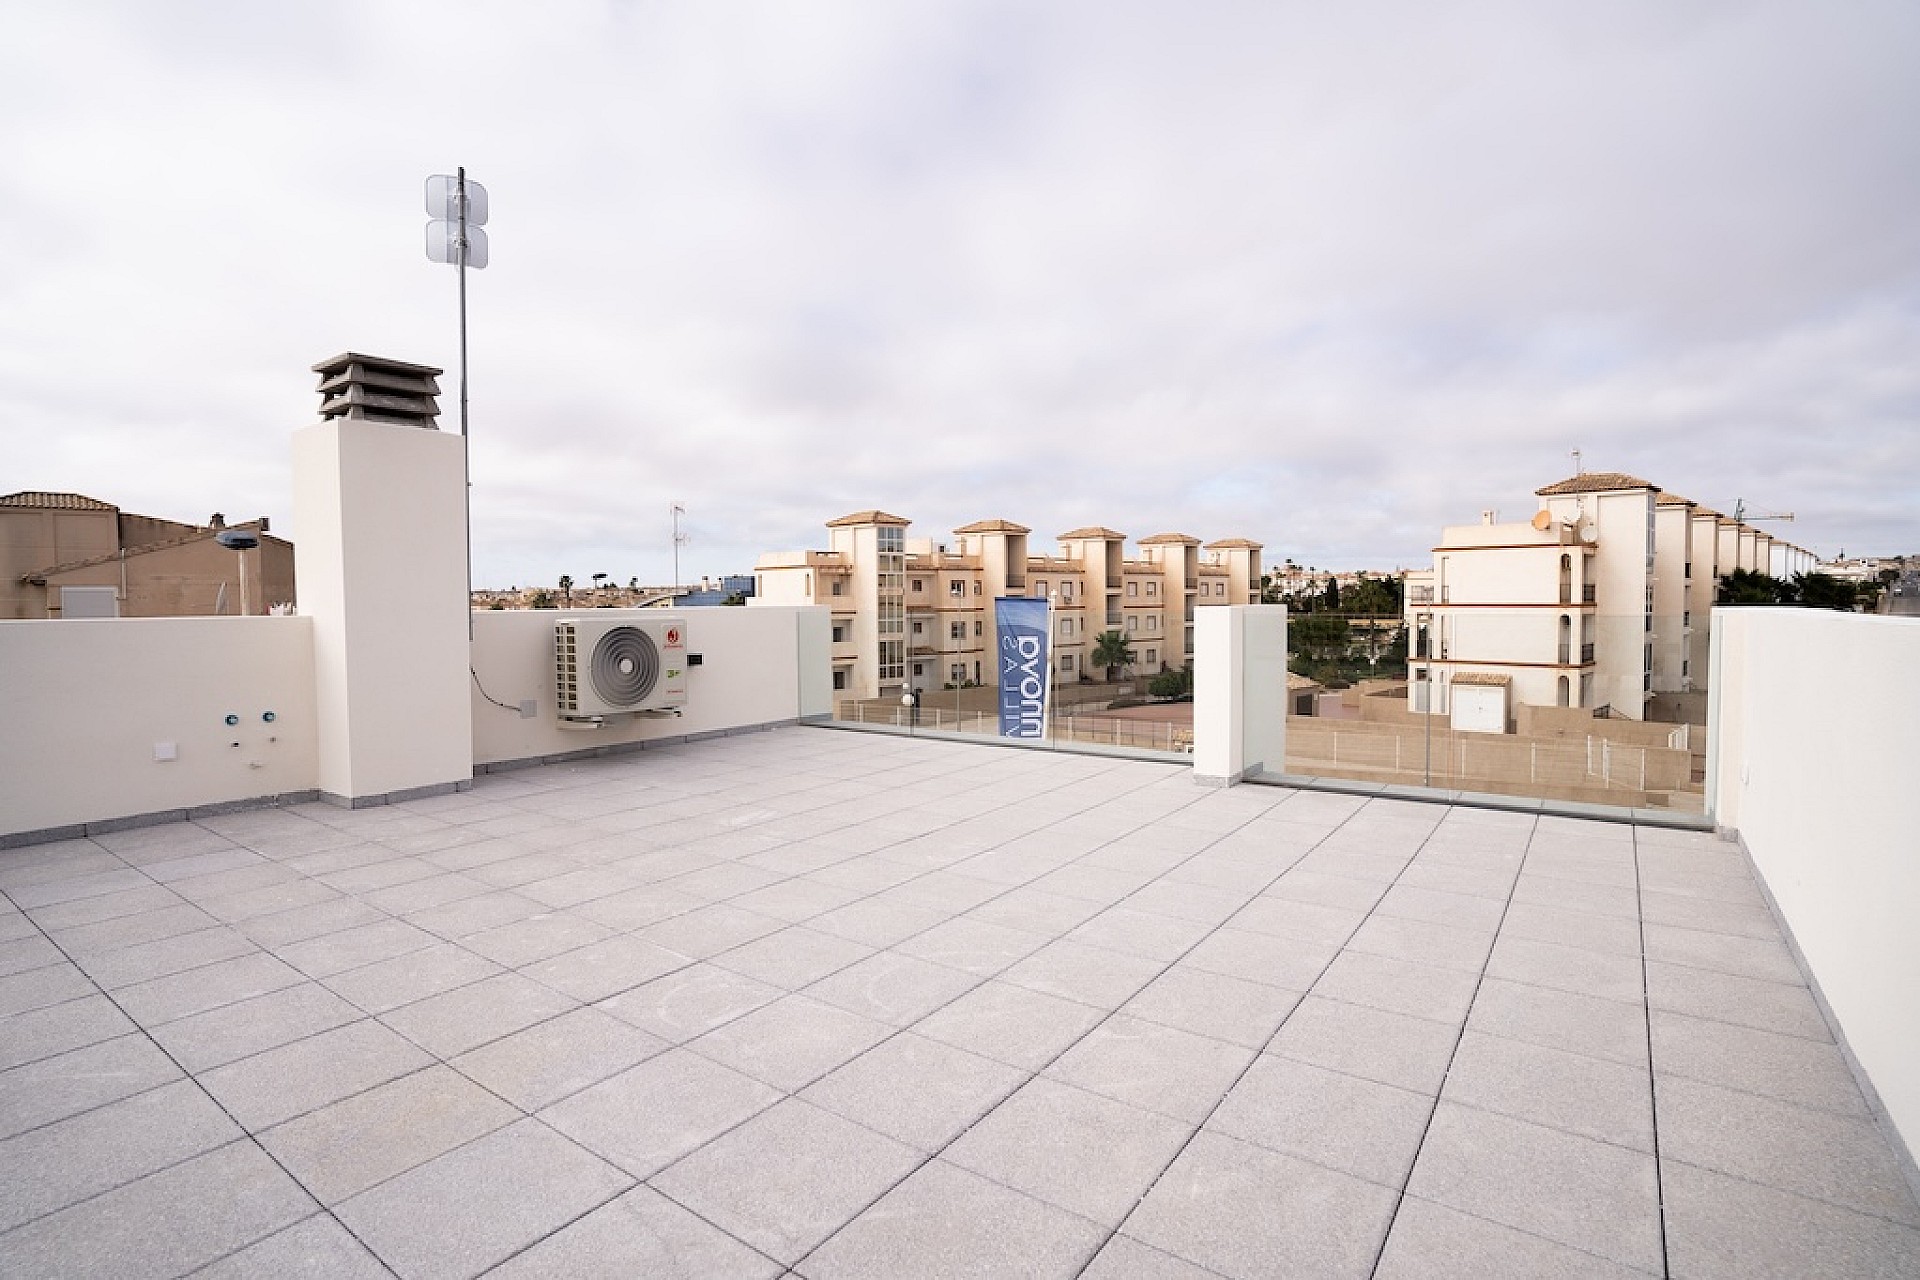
<point>1740,513</point>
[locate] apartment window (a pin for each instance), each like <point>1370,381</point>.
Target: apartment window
<point>839,587</point>
<point>976,673</point>
<point>840,680</point>
<point>1153,622</point>
<point>919,669</point>
<point>1066,590</point>
<point>1066,664</point>
<point>976,628</point>
<point>956,631</point>
<point>917,629</point>
<point>1066,626</point>
<point>957,588</point>
<point>957,673</point>
<point>839,633</point>
<point>976,589</point>
<point>1153,657</point>
<point>1153,588</point>
<point>918,585</point>
<point>1040,588</point>
<point>1133,589</point>
<point>1133,624</point>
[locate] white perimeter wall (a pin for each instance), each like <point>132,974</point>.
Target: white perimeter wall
<point>1816,726</point>
<point>758,666</point>
<point>83,703</point>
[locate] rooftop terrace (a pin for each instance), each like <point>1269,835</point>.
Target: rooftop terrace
<point>811,1002</point>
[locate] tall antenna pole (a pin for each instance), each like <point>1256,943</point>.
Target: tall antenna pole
<point>461,179</point>
<point>459,210</point>
<point>678,540</point>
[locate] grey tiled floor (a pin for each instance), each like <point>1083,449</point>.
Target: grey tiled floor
<point>832,1005</point>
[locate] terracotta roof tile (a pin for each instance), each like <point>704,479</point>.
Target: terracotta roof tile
<point>1595,482</point>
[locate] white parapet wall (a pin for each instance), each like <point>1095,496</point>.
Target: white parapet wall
<point>1239,692</point>
<point>118,718</point>
<point>762,666</point>
<point>1815,728</point>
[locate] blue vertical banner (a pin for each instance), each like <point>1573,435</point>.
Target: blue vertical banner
<point>1020,630</point>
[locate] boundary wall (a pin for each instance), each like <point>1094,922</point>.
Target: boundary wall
<point>1816,727</point>
<point>124,719</point>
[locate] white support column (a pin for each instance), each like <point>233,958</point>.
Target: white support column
<point>380,515</point>
<point>1239,692</point>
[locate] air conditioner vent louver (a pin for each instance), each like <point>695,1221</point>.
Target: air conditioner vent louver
<point>608,668</point>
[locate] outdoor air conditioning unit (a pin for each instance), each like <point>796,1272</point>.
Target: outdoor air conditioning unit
<point>603,668</point>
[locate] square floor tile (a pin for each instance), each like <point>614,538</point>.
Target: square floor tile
<point>1243,1211</point>
<point>546,1062</point>
<point>892,988</point>
<point>466,1017</point>
<point>480,1204</point>
<point>791,1042</point>
<point>1156,1068</point>
<point>167,1223</point>
<point>944,1223</point>
<point>1010,1024</point>
<point>1589,1025</point>
<point>342,1149</point>
<point>1087,1154</point>
<point>788,1178</point>
<point>1592,1097</point>
<point>917,1090</point>
<point>80,1080</point>
<point>1343,1122</point>
<point>1432,1242</point>
<point>650,1115</point>
<point>642,1233</point>
<point>1843,1160</point>
<point>1726,1228</point>
<point>1374,1044</point>
<point>83,1155</point>
<point>281,1083</point>
<point>1592,1196</point>
<point>1211,1004</point>
<point>689,1002</point>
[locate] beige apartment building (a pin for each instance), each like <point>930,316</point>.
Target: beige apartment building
<point>913,612</point>
<point>1599,601</point>
<point>68,555</point>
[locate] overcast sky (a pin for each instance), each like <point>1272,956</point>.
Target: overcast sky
<point>1328,276</point>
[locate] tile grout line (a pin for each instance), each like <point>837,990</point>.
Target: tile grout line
<point>1653,1090</point>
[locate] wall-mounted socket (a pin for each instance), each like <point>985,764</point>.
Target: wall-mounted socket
<point>529,709</point>
<point>165,751</point>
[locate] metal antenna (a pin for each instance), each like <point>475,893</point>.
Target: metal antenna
<point>679,541</point>
<point>459,210</point>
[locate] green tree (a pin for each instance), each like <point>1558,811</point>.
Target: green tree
<point>1111,650</point>
<point>542,600</point>
<point>1375,597</point>
<point>1333,595</point>
<point>1824,591</point>
<point>1744,586</point>
<point>1171,684</point>
<point>1317,635</point>
<point>566,588</point>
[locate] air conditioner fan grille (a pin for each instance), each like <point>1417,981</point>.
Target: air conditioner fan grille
<point>625,666</point>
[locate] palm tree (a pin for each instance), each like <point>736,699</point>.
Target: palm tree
<point>1111,650</point>
<point>566,588</point>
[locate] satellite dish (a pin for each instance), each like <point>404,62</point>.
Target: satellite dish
<point>1542,520</point>
<point>1589,532</point>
